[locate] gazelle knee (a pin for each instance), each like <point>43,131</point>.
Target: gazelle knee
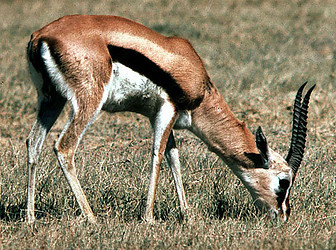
<point>60,153</point>
<point>33,150</point>
<point>30,152</point>
<point>65,158</point>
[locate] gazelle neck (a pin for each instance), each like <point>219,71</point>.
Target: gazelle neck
<point>224,134</point>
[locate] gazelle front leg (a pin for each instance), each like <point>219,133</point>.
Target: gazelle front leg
<point>172,156</point>
<point>162,126</point>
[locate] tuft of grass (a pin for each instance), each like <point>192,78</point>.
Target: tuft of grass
<point>258,53</point>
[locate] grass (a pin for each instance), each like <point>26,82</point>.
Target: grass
<point>258,53</point>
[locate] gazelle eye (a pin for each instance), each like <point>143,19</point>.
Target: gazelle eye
<point>284,184</point>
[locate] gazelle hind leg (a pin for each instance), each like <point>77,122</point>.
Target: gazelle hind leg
<point>172,156</point>
<point>48,112</point>
<point>162,126</point>
<point>80,119</point>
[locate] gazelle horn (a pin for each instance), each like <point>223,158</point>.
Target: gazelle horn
<point>299,130</point>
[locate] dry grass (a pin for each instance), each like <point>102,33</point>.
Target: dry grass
<point>258,53</point>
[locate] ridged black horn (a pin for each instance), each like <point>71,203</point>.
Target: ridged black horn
<point>299,130</point>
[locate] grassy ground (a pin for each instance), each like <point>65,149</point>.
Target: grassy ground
<point>258,53</point>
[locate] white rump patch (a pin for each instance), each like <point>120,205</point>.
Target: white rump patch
<point>61,85</point>
<point>56,76</point>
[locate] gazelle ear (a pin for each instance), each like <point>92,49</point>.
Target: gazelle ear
<point>261,159</point>
<point>261,143</point>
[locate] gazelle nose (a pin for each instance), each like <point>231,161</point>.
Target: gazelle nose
<point>285,217</point>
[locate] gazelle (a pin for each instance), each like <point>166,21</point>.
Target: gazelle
<point>110,63</point>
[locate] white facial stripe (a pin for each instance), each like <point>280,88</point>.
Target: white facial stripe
<point>274,185</point>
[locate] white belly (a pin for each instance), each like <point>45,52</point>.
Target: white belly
<point>127,90</point>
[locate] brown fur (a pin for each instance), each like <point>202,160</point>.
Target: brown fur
<point>84,48</point>
<point>86,39</point>
<point>228,137</point>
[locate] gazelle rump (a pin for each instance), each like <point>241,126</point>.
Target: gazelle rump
<point>114,64</point>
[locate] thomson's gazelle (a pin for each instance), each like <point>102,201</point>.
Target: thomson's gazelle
<point>110,63</point>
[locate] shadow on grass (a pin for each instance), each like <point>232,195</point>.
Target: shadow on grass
<point>230,207</point>
<point>117,202</point>
<point>12,212</point>
<point>17,212</point>
<point>131,207</point>
<point>225,209</point>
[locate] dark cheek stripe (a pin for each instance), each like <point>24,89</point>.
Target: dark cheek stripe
<point>281,197</point>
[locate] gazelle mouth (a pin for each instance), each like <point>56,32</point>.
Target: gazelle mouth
<point>285,212</point>
<point>278,214</point>
<point>273,213</point>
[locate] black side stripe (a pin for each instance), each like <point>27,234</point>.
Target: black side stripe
<point>144,66</point>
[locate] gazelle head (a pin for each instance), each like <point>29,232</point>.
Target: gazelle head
<point>270,183</point>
